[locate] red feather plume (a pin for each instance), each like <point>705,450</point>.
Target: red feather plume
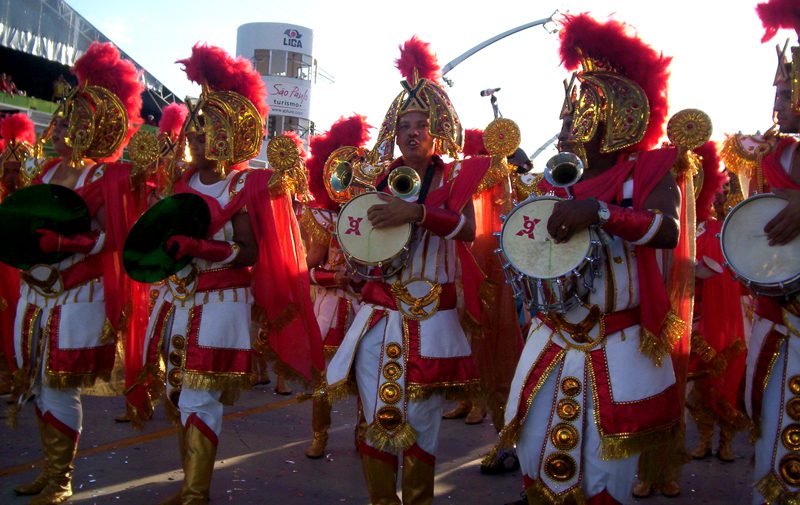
<point>350,131</point>
<point>172,118</point>
<point>18,128</point>
<point>776,14</point>
<point>417,55</point>
<point>215,67</point>
<point>2,145</point>
<point>101,65</point>
<point>614,43</point>
<point>714,178</point>
<point>473,143</point>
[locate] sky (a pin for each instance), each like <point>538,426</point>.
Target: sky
<point>719,63</point>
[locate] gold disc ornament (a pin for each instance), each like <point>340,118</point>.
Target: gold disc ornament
<point>282,153</point>
<point>689,128</point>
<point>501,137</point>
<point>143,148</point>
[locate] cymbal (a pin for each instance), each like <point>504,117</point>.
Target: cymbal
<point>145,255</point>
<point>48,206</point>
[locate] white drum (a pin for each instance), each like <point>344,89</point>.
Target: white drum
<point>365,247</point>
<point>766,270</point>
<point>549,277</point>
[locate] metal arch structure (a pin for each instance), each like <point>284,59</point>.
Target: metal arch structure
<point>486,43</point>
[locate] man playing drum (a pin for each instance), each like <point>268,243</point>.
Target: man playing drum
<point>406,344</point>
<point>595,385</point>
<point>772,392</point>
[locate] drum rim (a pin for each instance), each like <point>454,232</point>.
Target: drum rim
<point>359,260</point>
<point>508,218</point>
<point>754,285</point>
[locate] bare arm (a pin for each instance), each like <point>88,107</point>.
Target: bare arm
<point>245,239</point>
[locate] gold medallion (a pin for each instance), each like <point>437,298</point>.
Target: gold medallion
<point>794,385</point>
<point>560,467</point>
<point>571,386</point>
<point>178,342</point>
<point>568,409</point>
<point>789,469</point>
<point>394,351</point>
<point>175,358</point>
<point>390,393</point>
<point>564,436</point>
<point>175,377</point>
<point>790,437</point>
<point>793,409</point>
<point>392,371</point>
<point>389,418</point>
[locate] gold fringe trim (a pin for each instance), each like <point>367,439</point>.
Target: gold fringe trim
<point>66,380</point>
<point>497,172</point>
<point>337,392</point>
<point>656,347</point>
<point>216,381</point>
<point>456,391</point>
<point>539,493</point>
<point>774,493</point>
<point>402,438</point>
<point>282,368</point>
<point>309,224</point>
<point>624,446</point>
<point>506,439</point>
<point>736,159</point>
<point>108,334</point>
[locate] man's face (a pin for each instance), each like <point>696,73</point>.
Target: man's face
<point>414,138</point>
<point>57,138</point>
<point>10,179</point>
<point>197,145</point>
<point>788,121</point>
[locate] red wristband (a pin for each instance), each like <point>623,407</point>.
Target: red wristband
<point>634,225</point>
<point>322,277</point>
<point>442,222</point>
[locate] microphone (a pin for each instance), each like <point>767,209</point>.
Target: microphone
<point>489,92</point>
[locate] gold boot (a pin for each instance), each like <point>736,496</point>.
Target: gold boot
<point>705,429</point>
<point>175,499</point>
<point>320,422</point>
<point>198,466</point>
<point>381,477</point>
<point>459,411</point>
<point>417,479</point>
<point>725,451</point>
<point>36,486</point>
<point>60,452</point>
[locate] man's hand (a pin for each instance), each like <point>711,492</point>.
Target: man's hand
<point>785,226</point>
<point>570,217</point>
<point>394,213</point>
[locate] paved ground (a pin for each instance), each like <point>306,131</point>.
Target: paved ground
<point>261,460</point>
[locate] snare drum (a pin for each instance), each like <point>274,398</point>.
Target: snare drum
<point>365,247</point>
<point>549,277</point>
<point>766,270</point>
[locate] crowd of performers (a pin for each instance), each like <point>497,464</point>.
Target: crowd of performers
<point>173,276</point>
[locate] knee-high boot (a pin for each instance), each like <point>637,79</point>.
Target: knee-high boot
<point>418,474</point>
<point>37,484</point>
<point>60,446</point>
<point>175,499</point>
<point>320,422</point>
<point>380,472</point>
<point>725,451</point>
<point>201,451</point>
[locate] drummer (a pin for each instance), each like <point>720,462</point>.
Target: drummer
<point>773,359</point>
<point>406,345</point>
<point>69,311</point>
<point>200,322</point>
<point>595,385</point>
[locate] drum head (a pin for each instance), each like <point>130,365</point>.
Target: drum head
<point>745,246</point>
<point>49,206</point>
<point>145,255</point>
<point>530,248</point>
<point>360,240</point>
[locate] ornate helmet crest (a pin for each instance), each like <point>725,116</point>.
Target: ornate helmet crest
<point>231,108</point>
<point>623,84</point>
<point>776,14</point>
<point>421,92</point>
<point>103,107</point>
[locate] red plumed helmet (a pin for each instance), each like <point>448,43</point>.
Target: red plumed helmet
<point>214,67</point>
<point>473,143</point>
<point>16,128</point>
<point>418,61</point>
<point>612,47</point>
<point>172,119</point>
<point>101,65</point>
<point>777,14</point>
<point>714,178</point>
<point>351,131</point>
